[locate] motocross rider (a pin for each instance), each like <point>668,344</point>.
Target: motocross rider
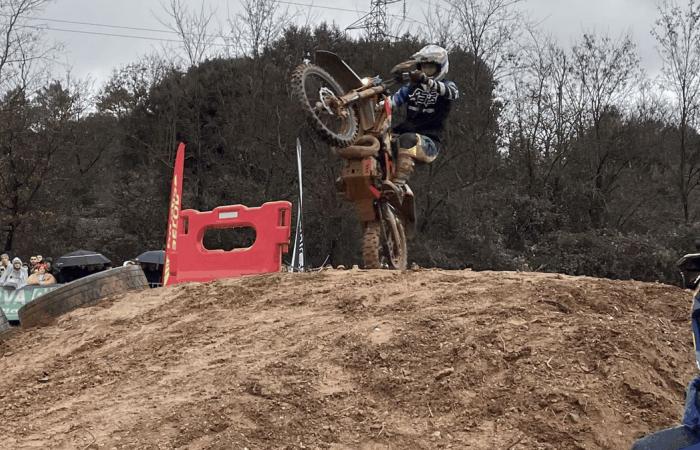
<point>429,98</point>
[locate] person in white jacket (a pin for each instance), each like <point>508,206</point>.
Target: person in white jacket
<point>14,277</point>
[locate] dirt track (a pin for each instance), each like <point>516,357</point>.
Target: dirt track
<point>355,359</point>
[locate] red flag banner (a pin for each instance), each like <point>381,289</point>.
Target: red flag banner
<point>174,213</point>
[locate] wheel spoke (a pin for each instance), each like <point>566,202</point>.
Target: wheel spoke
<point>322,99</point>
<point>318,93</point>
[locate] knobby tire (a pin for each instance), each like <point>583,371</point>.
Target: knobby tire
<point>336,139</point>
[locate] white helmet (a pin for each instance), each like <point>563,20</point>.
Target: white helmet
<point>434,54</point>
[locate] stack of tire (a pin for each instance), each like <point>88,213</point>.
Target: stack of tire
<point>83,292</point>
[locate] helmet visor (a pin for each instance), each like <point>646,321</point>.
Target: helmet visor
<point>429,68</point>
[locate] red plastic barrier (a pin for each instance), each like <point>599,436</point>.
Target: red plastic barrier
<point>190,261</point>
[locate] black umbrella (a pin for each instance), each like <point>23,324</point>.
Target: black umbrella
<point>81,258</point>
<point>152,257</point>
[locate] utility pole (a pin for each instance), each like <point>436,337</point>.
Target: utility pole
<point>375,21</point>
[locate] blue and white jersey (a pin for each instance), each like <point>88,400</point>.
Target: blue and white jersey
<point>428,105</point>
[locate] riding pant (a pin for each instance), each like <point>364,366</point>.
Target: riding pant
<point>419,147</point>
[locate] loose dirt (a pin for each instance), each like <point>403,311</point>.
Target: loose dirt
<point>355,360</point>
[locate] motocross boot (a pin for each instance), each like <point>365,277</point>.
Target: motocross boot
<point>394,190</point>
<point>399,194</point>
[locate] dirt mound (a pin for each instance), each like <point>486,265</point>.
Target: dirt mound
<point>355,359</point>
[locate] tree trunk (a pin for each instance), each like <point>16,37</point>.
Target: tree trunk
<point>9,238</point>
<point>681,169</point>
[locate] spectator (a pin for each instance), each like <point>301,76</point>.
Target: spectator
<point>4,262</point>
<point>40,277</point>
<point>15,277</point>
<point>49,265</point>
<point>32,263</point>
<point>154,274</point>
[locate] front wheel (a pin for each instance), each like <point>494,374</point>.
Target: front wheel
<point>318,94</point>
<point>384,242</point>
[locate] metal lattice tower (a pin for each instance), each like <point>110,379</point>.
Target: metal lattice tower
<point>375,21</point>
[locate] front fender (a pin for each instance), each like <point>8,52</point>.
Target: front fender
<point>339,70</point>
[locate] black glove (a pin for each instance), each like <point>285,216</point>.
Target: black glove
<point>418,76</point>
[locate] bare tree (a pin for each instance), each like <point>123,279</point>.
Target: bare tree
<point>193,27</point>
<point>677,32</point>
<point>258,24</point>
<point>34,130</point>
<point>526,112</point>
<point>565,109</point>
<point>605,70</point>
<point>561,101</point>
<point>23,66</point>
<point>652,104</point>
<point>440,27</point>
<point>541,114</point>
<point>20,45</point>
<point>397,26</point>
<point>488,29</point>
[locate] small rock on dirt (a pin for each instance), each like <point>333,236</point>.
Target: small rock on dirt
<point>444,373</point>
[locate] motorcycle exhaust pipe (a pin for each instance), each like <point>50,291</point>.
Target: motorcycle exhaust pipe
<point>365,146</point>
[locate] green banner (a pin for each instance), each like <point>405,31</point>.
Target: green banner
<point>12,300</point>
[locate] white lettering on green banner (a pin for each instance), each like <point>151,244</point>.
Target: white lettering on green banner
<point>12,300</point>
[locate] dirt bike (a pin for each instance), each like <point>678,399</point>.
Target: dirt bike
<point>353,115</point>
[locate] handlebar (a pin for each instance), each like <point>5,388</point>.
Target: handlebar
<point>356,96</point>
<point>368,92</point>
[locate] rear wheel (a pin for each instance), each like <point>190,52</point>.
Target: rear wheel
<point>318,94</point>
<point>384,243</point>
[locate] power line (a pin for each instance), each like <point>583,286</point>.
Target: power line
<point>155,30</point>
<point>99,33</point>
<point>93,24</point>
<point>334,8</point>
<point>410,19</point>
<point>311,5</point>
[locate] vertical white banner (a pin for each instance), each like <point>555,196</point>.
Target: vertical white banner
<point>298,253</point>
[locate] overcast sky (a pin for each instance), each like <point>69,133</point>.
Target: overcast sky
<point>96,56</point>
